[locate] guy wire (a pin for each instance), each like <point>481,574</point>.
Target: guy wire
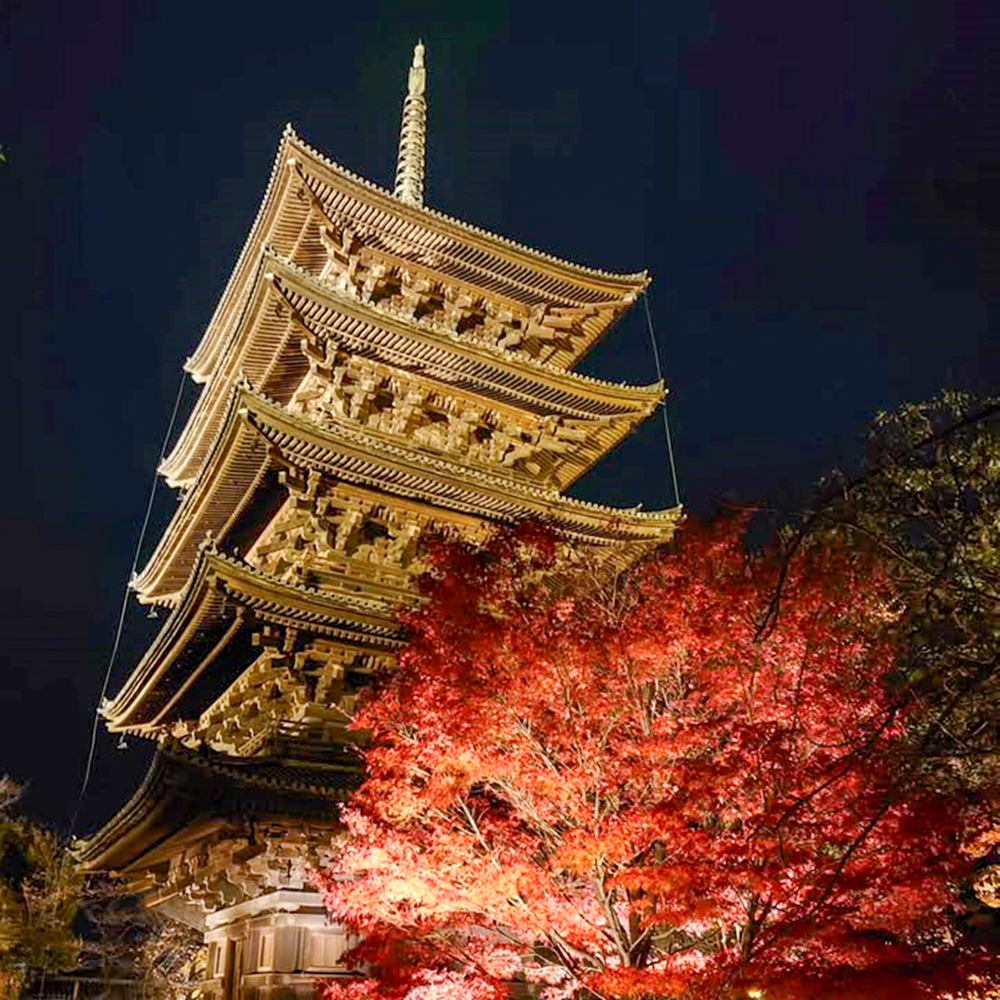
<point>663,404</point>
<point>124,608</point>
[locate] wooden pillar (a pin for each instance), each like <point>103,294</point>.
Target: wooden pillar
<point>232,980</point>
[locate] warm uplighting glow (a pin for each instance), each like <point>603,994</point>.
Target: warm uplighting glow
<point>642,795</point>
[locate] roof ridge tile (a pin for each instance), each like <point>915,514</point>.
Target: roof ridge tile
<point>438,215</point>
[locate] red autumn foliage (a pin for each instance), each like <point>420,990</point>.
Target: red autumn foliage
<point>637,796</point>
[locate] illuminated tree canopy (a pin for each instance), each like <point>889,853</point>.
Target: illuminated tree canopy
<point>927,502</point>
<point>39,898</point>
<point>630,792</point>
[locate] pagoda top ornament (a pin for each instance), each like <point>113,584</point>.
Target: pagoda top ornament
<point>410,166</point>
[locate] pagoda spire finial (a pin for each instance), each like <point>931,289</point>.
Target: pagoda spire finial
<point>413,134</point>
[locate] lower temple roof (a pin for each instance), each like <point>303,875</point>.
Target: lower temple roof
<point>185,788</point>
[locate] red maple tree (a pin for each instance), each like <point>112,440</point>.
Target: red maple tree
<point>632,794</point>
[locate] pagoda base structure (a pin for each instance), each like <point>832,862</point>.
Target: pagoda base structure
<point>276,945</point>
<point>225,846</point>
<point>376,375</point>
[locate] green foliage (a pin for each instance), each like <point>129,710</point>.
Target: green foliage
<point>929,503</point>
<point>39,897</point>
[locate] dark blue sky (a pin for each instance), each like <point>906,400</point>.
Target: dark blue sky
<point>812,185</point>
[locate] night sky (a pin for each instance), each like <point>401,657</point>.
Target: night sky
<point>810,184</point>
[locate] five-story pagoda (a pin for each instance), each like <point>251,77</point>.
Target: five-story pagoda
<point>374,371</point>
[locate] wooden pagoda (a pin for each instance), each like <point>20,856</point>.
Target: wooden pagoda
<point>374,371</point>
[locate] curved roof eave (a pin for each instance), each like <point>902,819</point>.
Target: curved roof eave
<point>201,362</point>
<point>186,529</point>
<point>626,390</point>
<point>304,429</point>
<point>636,280</point>
<point>367,619</point>
<point>176,465</point>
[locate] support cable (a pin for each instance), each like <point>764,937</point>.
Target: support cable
<point>124,608</point>
<point>663,404</point>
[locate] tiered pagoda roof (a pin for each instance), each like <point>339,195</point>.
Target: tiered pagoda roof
<point>205,830</point>
<point>375,373</point>
<point>306,187</point>
<point>414,369</point>
<point>289,313</point>
<point>182,786</point>
<point>212,630</point>
<point>258,436</point>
